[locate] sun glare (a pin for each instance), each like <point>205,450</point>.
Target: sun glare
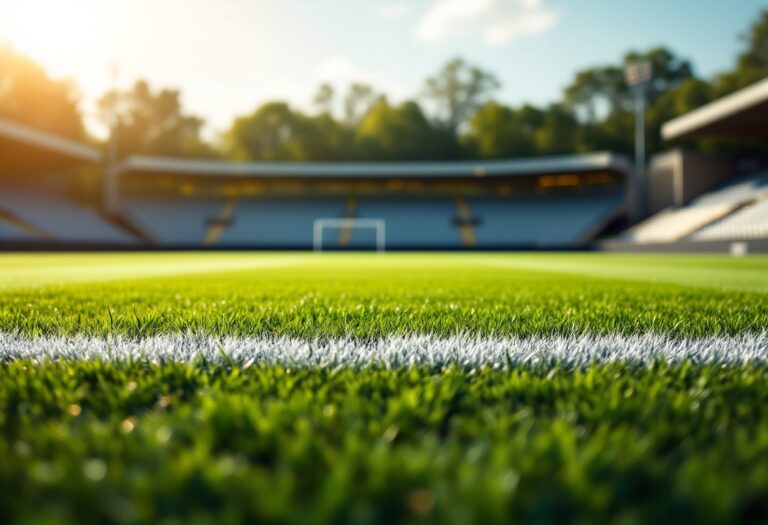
<point>53,32</point>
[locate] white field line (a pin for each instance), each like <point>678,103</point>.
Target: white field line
<point>394,351</point>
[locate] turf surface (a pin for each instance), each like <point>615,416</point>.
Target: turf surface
<point>371,296</point>
<point>138,441</point>
<point>88,442</point>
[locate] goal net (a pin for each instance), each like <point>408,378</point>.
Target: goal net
<point>321,225</point>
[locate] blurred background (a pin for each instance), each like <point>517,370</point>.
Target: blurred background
<point>404,125</point>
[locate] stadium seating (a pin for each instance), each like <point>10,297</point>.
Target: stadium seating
<point>57,218</point>
<point>750,222</point>
<point>411,223</point>
<point>711,208</point>
<point>11,233</point>
<point>739,191</point>
<point>675,223</point>
<point>173,222</point>
<point>425,221</point>
<point>278,223</point>
<point>542,222</point>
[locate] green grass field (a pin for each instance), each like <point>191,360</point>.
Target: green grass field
<point>228,439</point>
<point>371,295</point>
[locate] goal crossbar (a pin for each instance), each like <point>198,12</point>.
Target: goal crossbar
<point>321,224</point>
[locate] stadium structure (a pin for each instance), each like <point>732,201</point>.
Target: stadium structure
<point>699,202</point>
<point>176,203</point>
<point>56,193</point>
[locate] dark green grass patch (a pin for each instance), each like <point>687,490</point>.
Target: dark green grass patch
<point>94,442</point>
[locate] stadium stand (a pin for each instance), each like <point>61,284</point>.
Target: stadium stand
<point>750,222</point>
<point>410,223</point>
<point>547,202</point>
<point>57,218</point>
<point>12,232</point>
<point>545,222</point>
<point>677,223</point>
<point>38,174</point>
<point>733,216</point>
<point>172,222</point>
<point>559,202</point>
<point>279,223</point>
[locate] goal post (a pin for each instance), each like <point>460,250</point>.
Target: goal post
<point>320,225</point>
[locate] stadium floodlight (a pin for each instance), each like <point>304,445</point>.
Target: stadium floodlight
<point>638,76</point>
<point>321,225</point>
<point>111,171</point>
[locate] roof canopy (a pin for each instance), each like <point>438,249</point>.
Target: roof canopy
<point>520,167</point>
<point>36,139</point>
<point>743,114</point>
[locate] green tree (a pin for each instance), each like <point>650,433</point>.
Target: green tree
<point>752,62</point>
<point>596,92</point>
<point>496,131</point>
<point>154,123</point>
<point>359,99</point>
<point>601,91</point>
<point>275,132</point>
<point>457,91</point>
<point>29,96</point>
<point>602,102</point>
<point>402,133</point>
<point>558,131</point>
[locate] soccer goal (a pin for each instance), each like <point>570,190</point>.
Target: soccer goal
<point>320,225</point>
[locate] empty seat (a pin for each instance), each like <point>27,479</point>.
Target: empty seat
<point>410,223</point>
<point>544,221</point>
<point>674,224</point>
<point>278,223</point>
<point>173,221</point>
<point>11,233</point>
<point>750,222</point>
<point>737,192</point>
<point>61,218</point>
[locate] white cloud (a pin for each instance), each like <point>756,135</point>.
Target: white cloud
<point>498,22</point>
<point>393,10</point>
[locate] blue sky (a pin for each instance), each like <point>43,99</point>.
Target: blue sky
<point>228,56</point>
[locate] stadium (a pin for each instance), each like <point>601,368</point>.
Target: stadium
<point>538,315</point>
<point>555,202</point>
<point>694,202</point>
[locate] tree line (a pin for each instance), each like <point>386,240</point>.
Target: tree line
<point>456,116</point>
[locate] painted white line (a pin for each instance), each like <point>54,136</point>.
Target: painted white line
<point>394,351</point>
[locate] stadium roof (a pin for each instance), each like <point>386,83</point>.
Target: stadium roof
<point>522,167</point>
<point>48,141</point>
<point>743,114</point>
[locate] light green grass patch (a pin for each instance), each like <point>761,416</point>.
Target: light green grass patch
<point>371,295</point>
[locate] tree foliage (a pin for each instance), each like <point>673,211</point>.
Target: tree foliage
<point>496,131</point>
<point>276,132</point>
<point>457,90</point>
<point>358,101</point>
<point>456,116</point>
<point>401,132</point>
<point>153,122</point>
<point>29,96</point>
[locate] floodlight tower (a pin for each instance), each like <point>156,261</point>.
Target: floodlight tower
<point>111,169</point>
<point>639,75</point>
